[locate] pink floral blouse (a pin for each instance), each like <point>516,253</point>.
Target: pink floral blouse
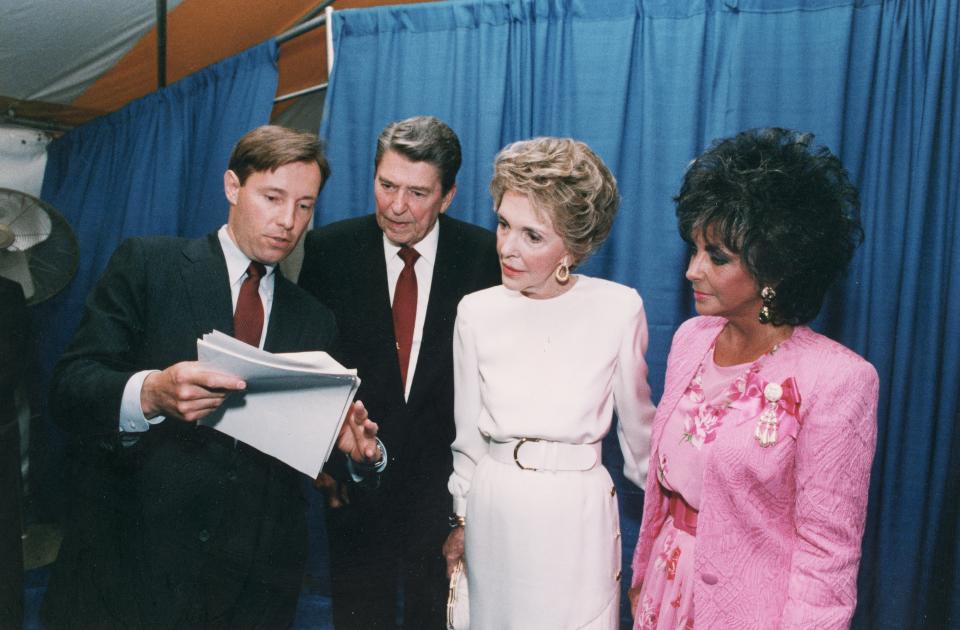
<point>694,425</point>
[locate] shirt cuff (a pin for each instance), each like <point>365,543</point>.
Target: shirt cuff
<point>460,506</point>
<point>132,419</point>
<point>358,471</point>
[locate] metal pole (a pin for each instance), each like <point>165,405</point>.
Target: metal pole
<point>310,90</point>
<point>11,118</point>
<point>321,8</point>
<point>309,25</point>
<point>161,43</point>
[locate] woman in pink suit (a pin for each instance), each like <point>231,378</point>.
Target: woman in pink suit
<point>764,437</point>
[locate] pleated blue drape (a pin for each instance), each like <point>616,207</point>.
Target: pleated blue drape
<point>154,167</point>
<point>648,84</point>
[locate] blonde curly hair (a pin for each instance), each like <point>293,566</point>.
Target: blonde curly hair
<point>565,180</point>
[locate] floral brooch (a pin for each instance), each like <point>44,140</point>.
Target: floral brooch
<point>779,400</point>
<point>771,403</point>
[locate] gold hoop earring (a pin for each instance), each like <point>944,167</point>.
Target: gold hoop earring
<point>562,274</point>
<point>768,295</point>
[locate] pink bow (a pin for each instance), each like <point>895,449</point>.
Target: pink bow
<point>769,403</point>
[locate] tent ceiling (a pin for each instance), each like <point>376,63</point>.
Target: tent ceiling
<point>64,63</point>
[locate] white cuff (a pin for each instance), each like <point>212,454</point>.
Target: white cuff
<point>460,505</point>
<point>132,419</point>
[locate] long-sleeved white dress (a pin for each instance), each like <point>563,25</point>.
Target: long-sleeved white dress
<point>543,548</point>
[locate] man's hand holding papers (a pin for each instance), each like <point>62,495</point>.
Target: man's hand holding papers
<point>296,406</point>
<point>186,391</point>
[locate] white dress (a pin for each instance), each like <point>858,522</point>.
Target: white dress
<point>543,548</point>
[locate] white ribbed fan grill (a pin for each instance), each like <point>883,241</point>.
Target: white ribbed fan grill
<point>37,246</point>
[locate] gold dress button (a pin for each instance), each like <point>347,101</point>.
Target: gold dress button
<point>619,575</point>
<point>613,490</point>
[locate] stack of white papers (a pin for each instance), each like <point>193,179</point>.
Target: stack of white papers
<point>294,404</point>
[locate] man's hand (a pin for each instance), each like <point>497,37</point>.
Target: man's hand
<point>453,549</point>
<point>358,436</point>
<point>336,491</point>
<point>186,391</point>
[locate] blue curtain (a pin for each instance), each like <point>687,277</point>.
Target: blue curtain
<point>648,84</point>
<point>154,167</point>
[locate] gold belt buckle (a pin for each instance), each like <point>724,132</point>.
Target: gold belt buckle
<point>516,451</point>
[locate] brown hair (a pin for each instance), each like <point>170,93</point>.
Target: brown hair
<point>269,147</point>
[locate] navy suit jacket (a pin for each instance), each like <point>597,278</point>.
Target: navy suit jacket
<point>156,526</point>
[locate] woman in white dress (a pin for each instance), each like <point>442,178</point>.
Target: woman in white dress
<point>541,363</point>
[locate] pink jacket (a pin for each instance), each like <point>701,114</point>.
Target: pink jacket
<point>779,531</point>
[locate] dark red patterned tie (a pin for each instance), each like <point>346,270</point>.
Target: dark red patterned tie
<point>248,318</point>
<point>405,308</point>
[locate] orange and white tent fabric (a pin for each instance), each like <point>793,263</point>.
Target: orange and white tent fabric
<point>64,63</point>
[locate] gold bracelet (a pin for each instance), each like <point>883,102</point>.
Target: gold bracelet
<point>457,521</point>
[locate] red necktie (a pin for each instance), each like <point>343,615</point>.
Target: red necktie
<point>405,309</point>
<point>248,318</point>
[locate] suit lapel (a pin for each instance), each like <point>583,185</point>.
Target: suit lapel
<point>283,329</point>
<point>441,304</point>
<point>367,270</point>
<point>204,275</point>
<point>371,279</point>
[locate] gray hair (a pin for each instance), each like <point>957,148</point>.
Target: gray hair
<point>423,139</point>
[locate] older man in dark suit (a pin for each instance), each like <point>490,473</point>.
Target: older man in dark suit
<point>175,524</point>
<point>393,279</point>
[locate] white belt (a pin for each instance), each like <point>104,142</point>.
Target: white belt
<point>536,454</point>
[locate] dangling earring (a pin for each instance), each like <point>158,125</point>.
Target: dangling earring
<point>767,295</point>
<point>562,274</point>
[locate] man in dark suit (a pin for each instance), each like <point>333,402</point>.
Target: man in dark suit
<point>14,346</point>
<point>387,539</point>
<point>176,525</point>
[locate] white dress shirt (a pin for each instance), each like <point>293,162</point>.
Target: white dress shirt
<point>132,419</point>
<point>423,267</point>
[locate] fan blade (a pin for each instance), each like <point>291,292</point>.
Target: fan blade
<point>27,220</point>
<point>14,266</point>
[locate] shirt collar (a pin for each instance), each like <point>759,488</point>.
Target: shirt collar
<point>237,261</point>
<point>427,247</point>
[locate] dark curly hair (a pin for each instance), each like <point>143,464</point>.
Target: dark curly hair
<point>787,209</point>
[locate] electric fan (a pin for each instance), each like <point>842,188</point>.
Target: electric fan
<point>37,247</point>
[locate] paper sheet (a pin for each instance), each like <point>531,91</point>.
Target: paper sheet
<point>294,404</point>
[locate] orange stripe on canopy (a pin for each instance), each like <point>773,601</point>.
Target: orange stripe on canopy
<point>199,33</point>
